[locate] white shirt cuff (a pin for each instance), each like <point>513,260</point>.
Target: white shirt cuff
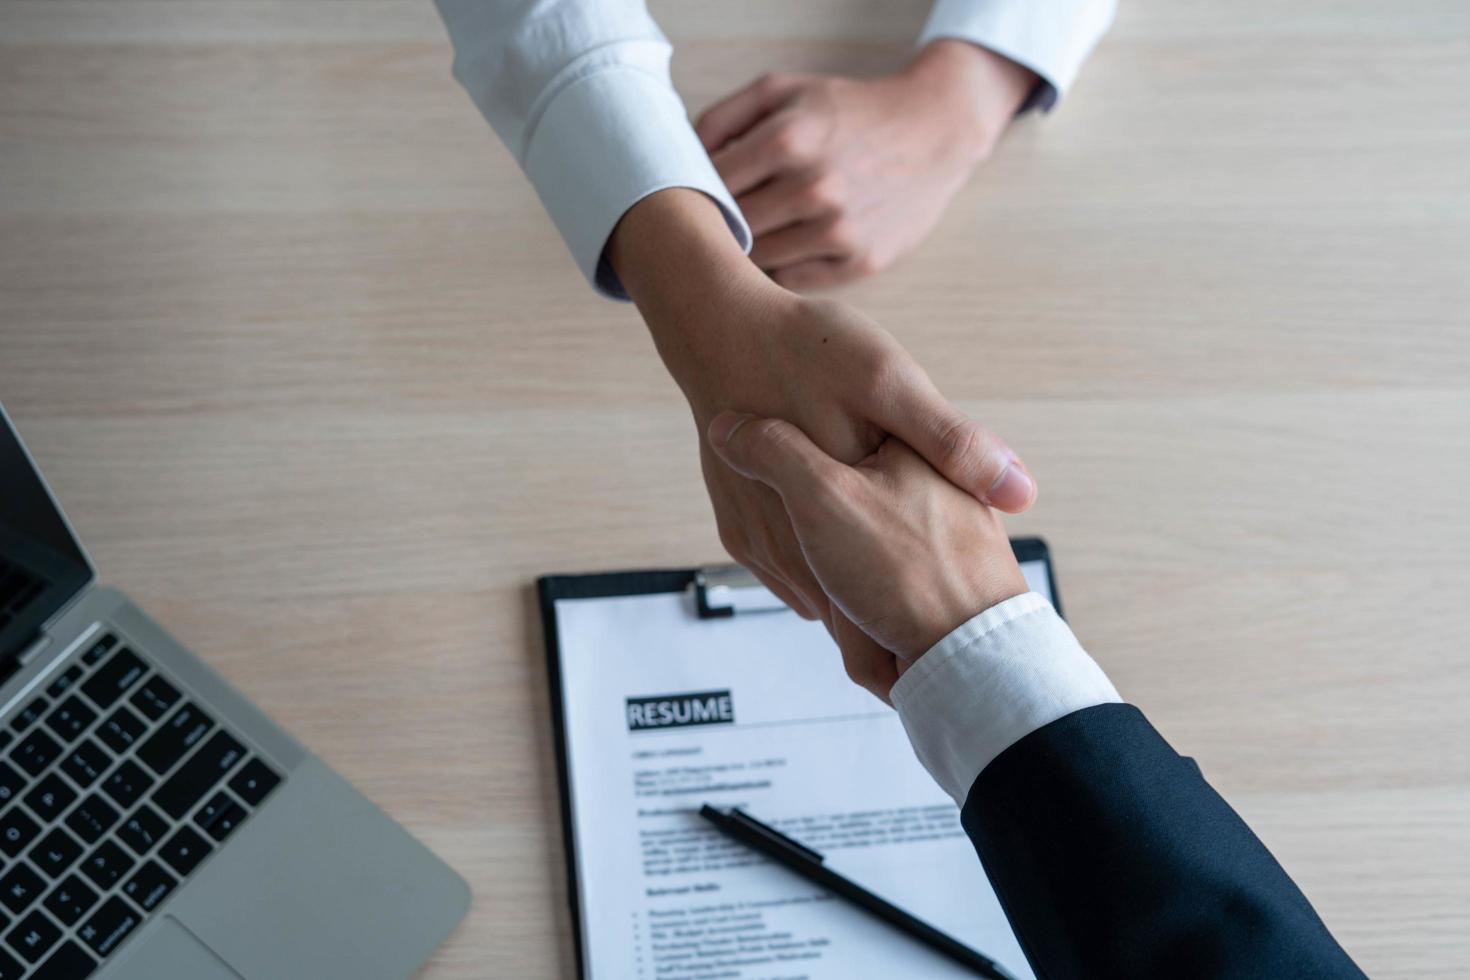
<point>996,679</point>
<point>605,142</point>
<point>1051,37</point>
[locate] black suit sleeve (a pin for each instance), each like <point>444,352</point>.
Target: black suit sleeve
<point>1114,858</point>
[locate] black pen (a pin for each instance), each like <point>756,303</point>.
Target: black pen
<point>810,865</point>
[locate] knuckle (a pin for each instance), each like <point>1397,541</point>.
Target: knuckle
<point>962,447</point>
<point>790,140</point>
<point>884,370</point>
<point>865,264</point>
<point>825,193</point>
<point>841,234</point>
<point>768,82</point>
<point>771,434</point>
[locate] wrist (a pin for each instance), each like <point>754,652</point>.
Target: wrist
<point>977,91</point>
<point>979,573</point>
<point>695,288</point>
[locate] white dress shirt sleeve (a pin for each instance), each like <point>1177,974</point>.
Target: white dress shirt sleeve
<point>1050,37</point>
<point>1012,669</point>
<point>580,92</point>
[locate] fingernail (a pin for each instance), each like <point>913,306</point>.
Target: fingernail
<point>724,426</point>
<point>1013,489</point>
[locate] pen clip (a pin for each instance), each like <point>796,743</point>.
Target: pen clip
<point>750,823</point>
<point>721,591</point>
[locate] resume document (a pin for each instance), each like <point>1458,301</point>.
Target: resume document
<point>664,712</point>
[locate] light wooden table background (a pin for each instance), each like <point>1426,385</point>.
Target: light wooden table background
<point>323,392</point>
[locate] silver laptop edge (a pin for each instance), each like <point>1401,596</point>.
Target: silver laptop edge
<point>315,883</point>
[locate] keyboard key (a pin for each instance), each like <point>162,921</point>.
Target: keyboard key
<point>199,774</point>
<point>121,729</point>
<point>109,927</point>
<point>16,831</point>
<point>49,798</point>
<point>142,830</point>
<point>11,783</point>
<point>155,698</point>
<point>33,936</point>
<point>210,812</point>
<point>175,738</point>
<point>225,824</point>
<point>253,783</point>
<point>69,962</point>
<point>184,850</point>
<point>92,818</point>
<point>114,678</point>
<point>20,887</point>
<point>70,719</point>
<point>70,900</point>
<point>55,852</point>
<point>86,763</point>
<point>99,649</point>
<point>149,886</point>
<point>6,737</point>
<point>9,968</point>
<point>127,784</point>
<point>106,865</point>
<point>35,752</point>
<point>29,715</point>
<point>66,681</point>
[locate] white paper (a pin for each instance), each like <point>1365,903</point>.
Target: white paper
<point>787,737</point>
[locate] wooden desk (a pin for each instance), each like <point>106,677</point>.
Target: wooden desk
<point>323,391</point>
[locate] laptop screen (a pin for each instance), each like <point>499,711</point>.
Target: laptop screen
<point>41,564</point>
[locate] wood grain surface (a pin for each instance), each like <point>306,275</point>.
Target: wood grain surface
<point>323,391</point>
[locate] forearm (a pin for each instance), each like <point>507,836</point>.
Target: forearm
<point>690,280</point>
<point>580,94</point>
<point>1113,857</point>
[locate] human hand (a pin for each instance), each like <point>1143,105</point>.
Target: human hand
<point>904,556</point>
<point>733,339</point>
<point>838,177</point>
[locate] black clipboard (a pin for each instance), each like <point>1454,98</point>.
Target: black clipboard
<point>604,585</point>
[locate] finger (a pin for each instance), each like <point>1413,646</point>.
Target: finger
<point>867,664</point>
<point>784,200</point>
<point>754,552</point>
<point>773,145</point>
<point>968,454</point>
<point>800,242</point>
<point>774,452</point>
<point>792,566</point>
<point>733,115</point>
<point>784,592</point>
<point>818,273</point>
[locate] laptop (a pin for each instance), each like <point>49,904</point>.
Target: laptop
<point>154,824</point>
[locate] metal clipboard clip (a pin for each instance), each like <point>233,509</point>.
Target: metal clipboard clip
<point>721,591</point>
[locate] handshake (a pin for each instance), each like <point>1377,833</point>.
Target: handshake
<point>839,474</point>
<point>895,556</point>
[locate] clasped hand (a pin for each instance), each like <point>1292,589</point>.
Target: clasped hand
<point>902,555</point>
<point>848,385</point>
<point>735,340</point>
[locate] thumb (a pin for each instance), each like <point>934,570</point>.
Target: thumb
<point>774,452</point>
<point>968,454</point>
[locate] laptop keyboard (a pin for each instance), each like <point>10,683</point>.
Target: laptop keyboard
<point>114,789</point>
